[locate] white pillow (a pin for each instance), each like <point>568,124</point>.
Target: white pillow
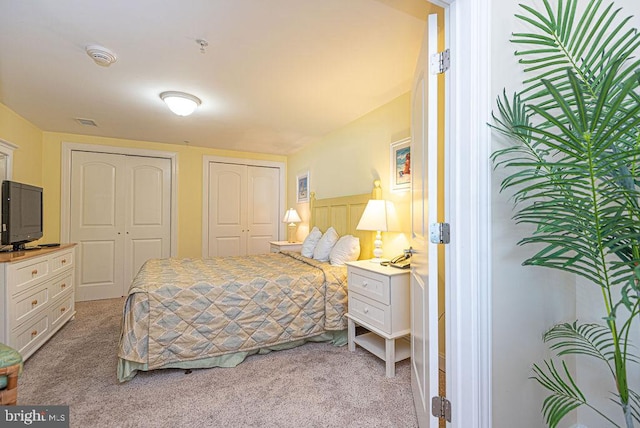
<point>326,243</point>
<point>347,249</point>
<point>310,242</point>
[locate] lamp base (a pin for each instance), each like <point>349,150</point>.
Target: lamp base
<point>378,260</point>
<point>290,228</point>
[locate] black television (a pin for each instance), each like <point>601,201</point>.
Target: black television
<point>21,214</point>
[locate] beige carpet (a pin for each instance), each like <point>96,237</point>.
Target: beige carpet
<point>314,385</point>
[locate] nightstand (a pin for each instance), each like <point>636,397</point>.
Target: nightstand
<point>277,246</point>
<point>379,302</point>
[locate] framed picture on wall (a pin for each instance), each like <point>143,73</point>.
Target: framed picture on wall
<point>302,193</point>
<point>400,159</point>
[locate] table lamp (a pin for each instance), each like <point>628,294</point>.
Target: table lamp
<point>291,217</point>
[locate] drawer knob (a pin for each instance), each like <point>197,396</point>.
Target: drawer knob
<point>34,272</point>
<point>63,286</point>
<point>365,283</point>
<point>34,333</point>
<point>366,310</point>
<point>64,261</point>
<point>34,302</point>
<point>62,310</point>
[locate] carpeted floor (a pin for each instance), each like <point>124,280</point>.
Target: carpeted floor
<point>314,385</point>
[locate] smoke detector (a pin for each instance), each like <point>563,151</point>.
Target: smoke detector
<point>101,55</point>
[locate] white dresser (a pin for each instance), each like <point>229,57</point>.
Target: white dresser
<point>36,296</point>
<point>379,302</point>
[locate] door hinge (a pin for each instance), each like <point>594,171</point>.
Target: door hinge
<point>440,62</point>
<point>441,408</point>
<point>440,233</point>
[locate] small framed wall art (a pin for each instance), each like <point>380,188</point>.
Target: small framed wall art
<point>302,187</point>
<point>400,159</point>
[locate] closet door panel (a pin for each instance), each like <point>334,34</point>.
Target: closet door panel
<point>148,213</point>
<point>227,209</point>
<point>97,218</point>
<point>262,208</point>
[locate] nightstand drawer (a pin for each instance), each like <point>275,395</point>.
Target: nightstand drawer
<point>370,312</point>
<point>373,286</point>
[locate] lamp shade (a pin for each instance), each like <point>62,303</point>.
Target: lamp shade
<point>291,216</point>
<point>376,216</point>
<point>180,103</point>
<point>379,215</point>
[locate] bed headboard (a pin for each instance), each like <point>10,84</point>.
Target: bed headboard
<point>343,213</point>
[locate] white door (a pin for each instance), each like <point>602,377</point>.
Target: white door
<point>147,226</point>
<point>424,211</point>
<point>262,208</point>
<point>227,209</point>
<point>243,206</point>
<point>97,217</point>
<point>120,217</point>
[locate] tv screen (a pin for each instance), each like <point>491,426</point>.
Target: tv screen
<point>21,214</point>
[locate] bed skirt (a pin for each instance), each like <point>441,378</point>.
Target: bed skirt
<point>128,369</point>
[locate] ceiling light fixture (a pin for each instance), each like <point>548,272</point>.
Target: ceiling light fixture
<point>180,103</point>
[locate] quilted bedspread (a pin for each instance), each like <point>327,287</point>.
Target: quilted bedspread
<point>188,309</point>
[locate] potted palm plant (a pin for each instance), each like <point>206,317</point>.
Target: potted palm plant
<point>573,162</point>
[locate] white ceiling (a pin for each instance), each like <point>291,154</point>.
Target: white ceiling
<point>277,74</point>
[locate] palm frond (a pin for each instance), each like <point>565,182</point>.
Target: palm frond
<point>565,395</point>
<point>588,339</point>
<point>587,46</point>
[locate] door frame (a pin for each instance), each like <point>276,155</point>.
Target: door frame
<point>65,185</point>
<point>206,160</point>
<point>468,196</point>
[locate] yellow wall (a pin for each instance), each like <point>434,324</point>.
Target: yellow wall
<point>27,158</point>
<point>348,160</point>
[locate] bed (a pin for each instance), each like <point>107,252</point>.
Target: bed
<point>201,313</point>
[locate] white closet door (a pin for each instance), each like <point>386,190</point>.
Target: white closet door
<point>227,209</point>
<point>262,208</point>
<point>97,219</point>
<point>120,217</point>
<point>148,213</point>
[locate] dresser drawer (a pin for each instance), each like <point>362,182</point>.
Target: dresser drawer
<point>61,261</point>
<point>24,274</point>
<point>31,335</point>
<point>60,285</point>
<point>27,304</point>
<point>369,284</point>
<point>62,310</point>
<point>370,312</point>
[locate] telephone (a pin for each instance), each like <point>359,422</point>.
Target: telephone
<point>403,261</point>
